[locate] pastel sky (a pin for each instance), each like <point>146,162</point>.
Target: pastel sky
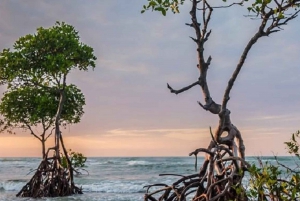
<point>129,110</point>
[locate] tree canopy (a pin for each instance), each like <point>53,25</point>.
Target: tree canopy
<point>42,59</point>
<point>26,107</point>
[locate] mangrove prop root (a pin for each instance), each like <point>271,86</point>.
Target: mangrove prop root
<point>50,180</point>
<point>218,179</point>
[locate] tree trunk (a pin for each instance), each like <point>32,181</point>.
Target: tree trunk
<point>51,179</point>
<point>43,147</point>
<point>57,123</point>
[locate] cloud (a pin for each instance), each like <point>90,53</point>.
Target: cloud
<point>275,117</point>
<point>187,134</point>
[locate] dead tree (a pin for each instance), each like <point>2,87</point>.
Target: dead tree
<point>223,169</point>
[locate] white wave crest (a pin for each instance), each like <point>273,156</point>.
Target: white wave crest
<point>12,185</point>
<point>113,187</point>
<point>138,163</point>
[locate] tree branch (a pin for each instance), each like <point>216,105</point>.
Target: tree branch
<point>31,131</point>
<point>183,89</point>
<point>232,4</point>
<point>50,133</point>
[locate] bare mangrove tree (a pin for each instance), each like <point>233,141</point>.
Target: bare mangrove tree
<point>221,174</point>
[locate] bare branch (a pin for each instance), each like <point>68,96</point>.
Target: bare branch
<point>233,158</point>
<point>239,66</point>
<point>208,60</point>
<point>31,132</point>
<point>297,172</point>
<point>50,133</point>
<point>206,21</point>
<point>201,150</point>
<point>201,105</point>
<point>194,39</point>
<point>207,36</point>
<point>183,89</point>
<point>230,5</point>
<point>212,136</point>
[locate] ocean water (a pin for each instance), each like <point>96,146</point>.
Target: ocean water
<point>109,179</point>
